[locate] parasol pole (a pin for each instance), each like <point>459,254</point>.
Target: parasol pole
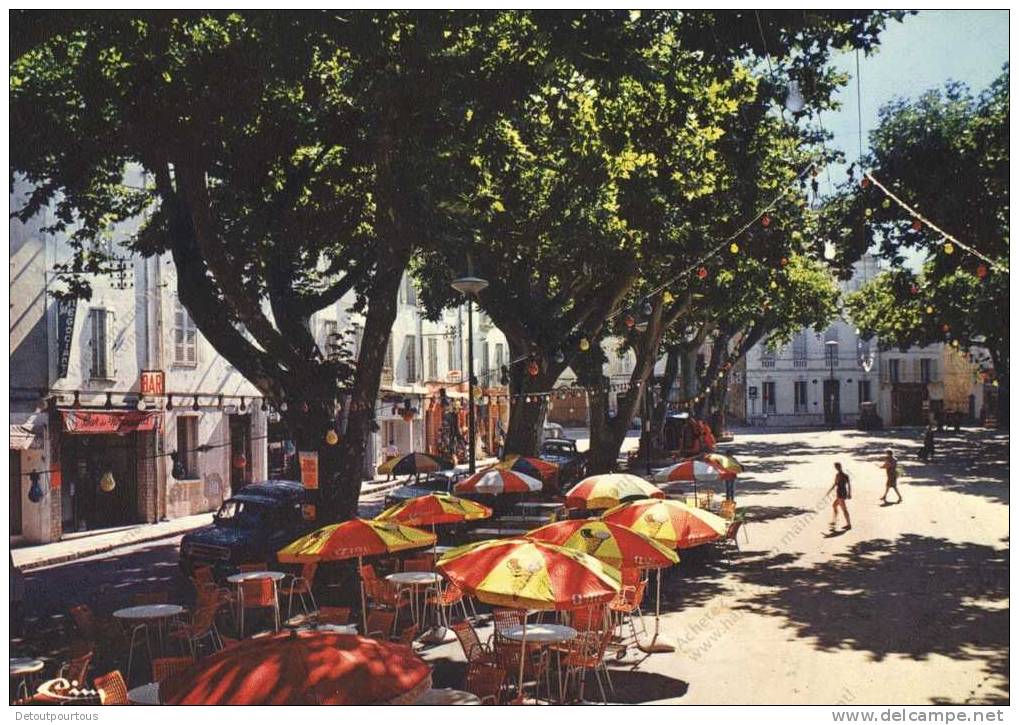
<point>657,643</point>
<point>364,606</point>
<point>523,652</point>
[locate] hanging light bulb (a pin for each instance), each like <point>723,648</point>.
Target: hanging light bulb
<point>107,483</point>
<point>169,402</point>
<point>794,97</point>
<point>243,405</point>
<point>194,405</point>
<point>109,401</point>
<point>734,248</point>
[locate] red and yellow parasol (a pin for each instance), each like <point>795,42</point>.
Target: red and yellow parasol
<point>670,523</point>
<point>434,508</point>
<point>524,574</point>
<point>608,490</point>
<point>495,481</point>
<point>356,538</point>
<point>616,545</point>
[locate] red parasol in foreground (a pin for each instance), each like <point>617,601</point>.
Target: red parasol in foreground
<point>302,668</point>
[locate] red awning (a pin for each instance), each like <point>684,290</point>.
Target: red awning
<point>92,422</point>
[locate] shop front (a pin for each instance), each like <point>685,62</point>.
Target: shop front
<point>108,468</point>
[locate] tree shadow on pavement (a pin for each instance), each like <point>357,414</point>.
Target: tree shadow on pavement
<point>915,597</point>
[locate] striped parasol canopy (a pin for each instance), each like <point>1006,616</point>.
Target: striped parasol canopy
<point>412,464</point>
<point>352,539</point>
<point>697,470</point>
<point>534,467</point>
<point>435,508</point>
<point>616,545</point>
<point>608,490</point>
<point>670,523</point>
<point>525,574</point>
<point>496,480</point>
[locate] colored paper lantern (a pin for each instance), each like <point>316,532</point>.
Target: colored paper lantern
<point>765,220</point>
<point>585,344</point>
<point>981,270</point>
<point>702,272</point>
<point>331,437</point>
<point>734,248</point>
<point>949,248</point>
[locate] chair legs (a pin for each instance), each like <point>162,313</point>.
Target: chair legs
<point>304,594</point>
<point>135,631</point>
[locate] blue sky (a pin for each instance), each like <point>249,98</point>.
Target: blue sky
<point>924,51</point>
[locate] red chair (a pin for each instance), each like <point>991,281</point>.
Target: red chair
<point>163,667</point>
<point>259,594</point>
<point>407,635</point>
<point>419,564</point>
<point>382,593</point>
<point>380,624</point>
<point>301,586</point>
<point>471,644</point>
<point>587,653</point>
<point>76,668</point>
<point>202,627</point>
<point>252,567</point>
<point>486,680</point>
<point>112,689</point>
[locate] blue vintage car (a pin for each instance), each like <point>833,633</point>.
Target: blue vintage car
<point>250,526</point>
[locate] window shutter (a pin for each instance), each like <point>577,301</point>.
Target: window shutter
<point>110,336</point>
<point>934,370</point>
<point>917,374</point>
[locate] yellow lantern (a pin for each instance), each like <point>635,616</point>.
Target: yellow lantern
<point>949,247</point>
<point>331,437</point>
<point>585,344</point>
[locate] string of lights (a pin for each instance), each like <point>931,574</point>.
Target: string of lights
<point>951,242</point>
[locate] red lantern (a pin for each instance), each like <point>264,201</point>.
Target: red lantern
<point>864,182</point>
<point>914,289</point>
<point>240,461</point>
<point>765,220</point>
<point>917,226</point>
<point>629,321</point>
<point>407,415</point>
<point>981,270</point>
<point>784,261</point>
<point>532,368</point>
<point>702,272</point>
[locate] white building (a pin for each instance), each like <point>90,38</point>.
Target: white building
<point>821,378</point>
<point>78,417</point>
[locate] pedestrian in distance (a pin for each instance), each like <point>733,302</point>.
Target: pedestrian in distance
<point>927,452</point>
<point>891,467</point>
<point>843,492</point>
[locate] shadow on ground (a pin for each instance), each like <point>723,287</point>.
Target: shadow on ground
<point>915,597</point>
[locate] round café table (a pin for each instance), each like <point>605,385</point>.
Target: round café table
<point>416,581</point>
<point>22,670</point>
<point>147,694</point>
<point>541,635</point>
<point>138,617</point>
<point>330,628</point>
<point>447,696</point>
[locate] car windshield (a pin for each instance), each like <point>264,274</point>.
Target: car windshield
<point>242,514</point>
<point>557,448</point>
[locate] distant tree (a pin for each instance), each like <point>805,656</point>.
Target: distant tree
<point>946,155</point>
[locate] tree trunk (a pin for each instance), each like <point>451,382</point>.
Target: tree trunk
<point>527,419</point>
<point>661,409</point>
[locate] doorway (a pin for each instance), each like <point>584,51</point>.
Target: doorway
<point>907,403</point>
<point>240,451</point>
<point>86,459</point>
<point>832,407</point>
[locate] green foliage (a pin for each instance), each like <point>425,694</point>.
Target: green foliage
<point>945,154</point>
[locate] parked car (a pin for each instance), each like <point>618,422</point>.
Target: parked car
<point>250,526</point>
<point>563,452</point>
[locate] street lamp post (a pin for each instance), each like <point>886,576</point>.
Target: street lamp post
<point>469,287</point>
<point>831,347</point>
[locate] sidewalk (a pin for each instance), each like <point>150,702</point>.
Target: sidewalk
<point>80,545</point>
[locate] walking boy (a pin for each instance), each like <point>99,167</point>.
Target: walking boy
<point>891,467</point>
<point>843,492</point>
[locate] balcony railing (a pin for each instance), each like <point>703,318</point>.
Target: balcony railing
<point>768,362</point>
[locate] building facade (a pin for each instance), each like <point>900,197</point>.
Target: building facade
<point>103,391</point>
<point>825,378</point>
